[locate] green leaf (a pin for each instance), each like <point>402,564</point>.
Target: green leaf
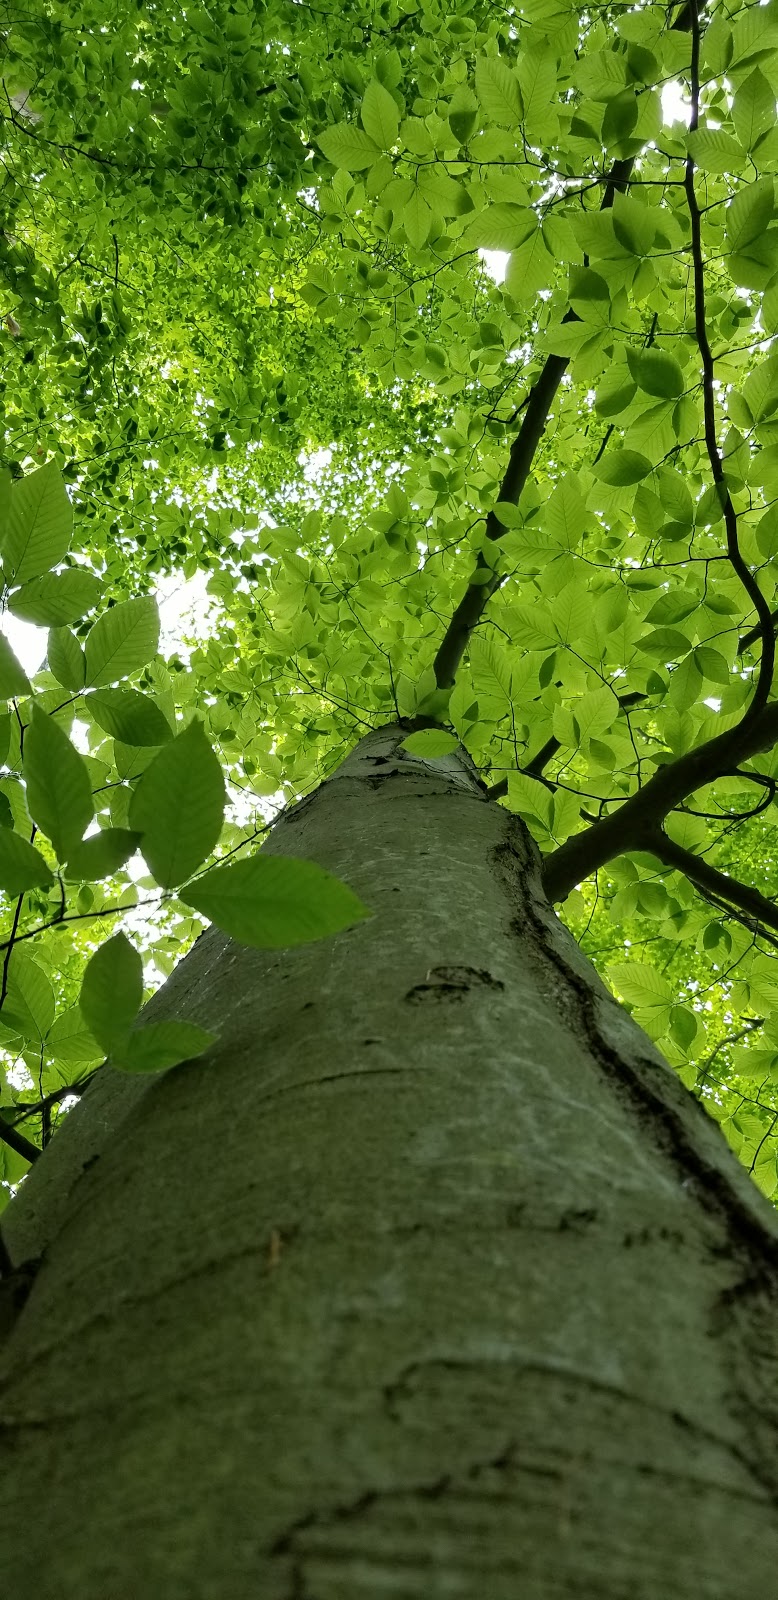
<point>501,227</point>
<point>66,659</point>
<point>750,213</point>
<point>491,667</point>
<point>497,88</point>
<point>56,598</point>
<point>530,268</point>
<point>29,1003</point>
<point>430,742</point>
<point>565,515</point>
<point>715,151</point>
<point>122,641</point>
<point>712,664</point>
<point>621,467</point>
<point>159,1045</point>
<point>665,643</point>
<point>640,984</point>
<point>70,1041</point>
<point>683,1026</point>
<point>380,116</point>
<point>621,115</point>
<point>589,294</point>
<point>595,712</point>
<point>39,526</point>
<point>529,798</point>
<point>274,901</point>
<point>59,791</point>
<point>753,109</point>
<point>616,391</point>
<point>101,855</point>
<point>348,148</point>
<point>13,679</point>
<point>21,865</point>
<point>178,806</point>
<point>463,113</point>
<point>634,224</point>
<point>129,716</point>
<point>537,70</point>
<point>767,533</point>
<point>656,372</point>
<point>417,219</point>
<point>112,992</point>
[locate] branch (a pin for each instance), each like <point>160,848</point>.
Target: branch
<point>484,580</point>
<point>34,1108</point>
<point>765,625</point>
<point>731,1038</point>
<point>639,816</point>
<point>8,947</point>
<point>17,1142</point>
<point>764,912</point>
<point>747,639</point>
<point>536,766</point>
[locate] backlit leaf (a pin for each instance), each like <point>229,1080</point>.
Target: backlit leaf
<point>347,147</point>
<point>112,991</point>
<point>178,806</point>
<point>57,598</point>
<point>621,467</point>
<point>66,659</point>
<point>501,227</point>
<point>122,640</point>
<point>70,1041</point>
<point>430,742</point>
<point>380,116</point>
<point>28,1008</point>
<point>13,679</point>
<point>750,212</point>
<point>498,90</point>
<point>656,371</point>
<point>530,268</point>
<point>274,901</point>
<point>129,716</point>
<point>753,108</point>
<point>21,865</point>
<point>39,526</point>
<point>159,1045</point>
<point>101,854</point>
<point>640,984</point>
<point>715,150</point>
<point>59,791</point>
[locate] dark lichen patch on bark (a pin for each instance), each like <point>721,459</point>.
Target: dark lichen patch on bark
<point>452,983</point>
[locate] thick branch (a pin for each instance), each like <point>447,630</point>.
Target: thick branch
<point>484,581</point>
<point>638,818</point>
<point>709,879</point>
<point>17,1142</point>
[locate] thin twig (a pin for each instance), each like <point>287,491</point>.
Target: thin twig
<point>767,663</point>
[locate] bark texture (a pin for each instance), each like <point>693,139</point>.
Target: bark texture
<point>429,1283</point>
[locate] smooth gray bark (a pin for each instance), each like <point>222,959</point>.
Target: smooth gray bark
<point>429,1283</point>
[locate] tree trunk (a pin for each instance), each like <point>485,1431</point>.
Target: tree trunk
<point>429,1283</point>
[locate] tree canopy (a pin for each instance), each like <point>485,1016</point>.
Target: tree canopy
<point>439,337</point>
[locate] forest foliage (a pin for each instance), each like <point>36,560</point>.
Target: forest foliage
<point>255,337</point>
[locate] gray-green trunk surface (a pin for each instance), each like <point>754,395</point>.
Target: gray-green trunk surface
<point>429,1282</point>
